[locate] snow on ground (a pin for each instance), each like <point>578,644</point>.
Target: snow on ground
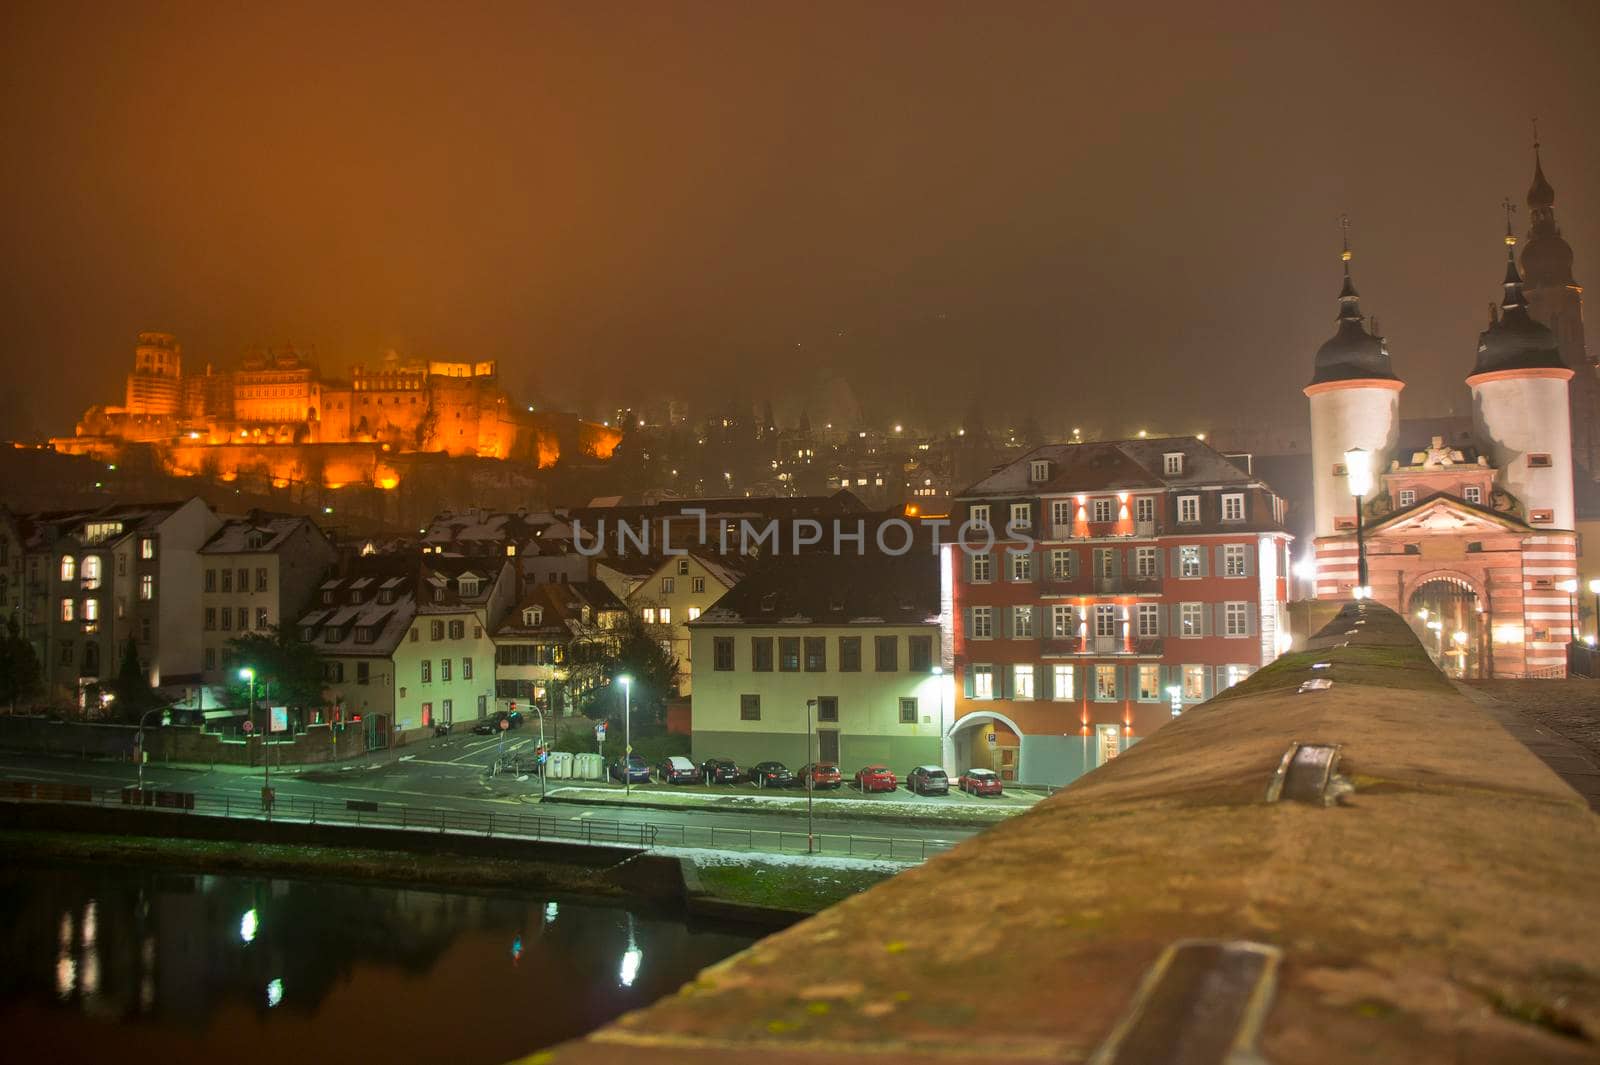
<point>705,856</point>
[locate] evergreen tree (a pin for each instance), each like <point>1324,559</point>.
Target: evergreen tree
<point>20,674</point>
<point>132,686</point>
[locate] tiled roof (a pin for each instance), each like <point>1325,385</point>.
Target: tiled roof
<point>827,589</point>
<point>242,536</point>
<point>1111,465</point>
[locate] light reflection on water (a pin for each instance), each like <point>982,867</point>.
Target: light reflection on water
<point>144,964</point>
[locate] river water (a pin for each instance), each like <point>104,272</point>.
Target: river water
<point>139,964</point>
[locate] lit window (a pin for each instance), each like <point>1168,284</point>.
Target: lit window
<point>983,682</point>
<point>694,613</point>
<point>91,610</point>
<point>1189,561</point>
<point>666,615</point>
<point>1022,682</point>
<point>147,588</point>
<point>649,615</point>
<point>1194,684</point>
<point>147,547</point>
<point>1105,682</point>
<point>1238,673</point>
<point>1022,622</point>
<point>68,610</point>
<point>1064,684</point>
<point>1190,619</point>
<point>1149,683</point>
<point>69,568</point>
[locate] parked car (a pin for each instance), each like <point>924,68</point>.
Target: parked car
<point>819,775</point>
<point>771,775</point>
<point>638,771</point>
<point>720,771</point>
<point>876,778</point>
<point>677,770</point>
<point>928,780</point>
<point>980,782</point>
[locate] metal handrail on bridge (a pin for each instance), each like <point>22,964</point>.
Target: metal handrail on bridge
<point>510,825</point>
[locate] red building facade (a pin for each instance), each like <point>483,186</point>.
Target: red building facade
<point>1125,580</point>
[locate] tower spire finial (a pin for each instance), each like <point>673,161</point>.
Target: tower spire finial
<point>1344,255</point>
<point>1535,136</point>
<point>1510,209</point>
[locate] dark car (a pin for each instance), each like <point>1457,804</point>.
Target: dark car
<point>928,780</point>
<point>638,770</point>
<point>677,769</point>
<point>486,726</point>
<point>876,778</point>
<point>819,775</point>
<point>980,782</point>
<point>720,771</point>
<point>771,775</point>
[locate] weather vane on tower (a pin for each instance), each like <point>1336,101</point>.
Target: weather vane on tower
<point>1510,209</point>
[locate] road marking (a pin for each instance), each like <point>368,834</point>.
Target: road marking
<point>451,765</point>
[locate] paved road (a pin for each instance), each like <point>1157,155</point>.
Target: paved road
<point>1570,761</point>
<point>451,775</point>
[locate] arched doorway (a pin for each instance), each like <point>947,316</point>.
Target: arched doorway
<point>1447,616</point>
<point>986,740</point>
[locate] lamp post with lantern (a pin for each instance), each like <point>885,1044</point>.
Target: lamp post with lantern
<point>1358,470</point>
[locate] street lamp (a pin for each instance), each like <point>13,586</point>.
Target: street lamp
<point>1175,696</point>
<point>249,675</point>
<point>1570,586</point>
<point>810,771</point>
<point>1594,586</point>
<point>142,718</point>
<point>1358,469</point>
<point>627,733</point>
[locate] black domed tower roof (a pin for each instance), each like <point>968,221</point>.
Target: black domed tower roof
<point>1353,354</point>
<point>1547,260</point>
<point>1514,341</point>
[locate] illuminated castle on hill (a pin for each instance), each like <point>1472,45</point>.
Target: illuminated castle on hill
<point>277,416</point>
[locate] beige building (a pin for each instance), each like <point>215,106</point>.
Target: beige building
<point>445,666</point>
<point>674,592</point>
<point>356,625</point>
<point>257,574</point>
<point>858,636</point>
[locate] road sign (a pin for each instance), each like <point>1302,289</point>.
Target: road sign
<point>994,741</point>
<point>249,727</point>
<point>505,723</point>
<point>278,718</point>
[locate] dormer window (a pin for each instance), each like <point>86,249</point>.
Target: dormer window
<point>327,597</point>
<point>468,586</point>
<point>1172,463</point>
<point>438,595</point>
<point>355,597</point>
<point>308,633</point>
<point>386,595</point>
<point>533,616</point>
<point>256,540</point>
<point>683,567</point>
<point>769,602</point>
<point>1039,470</point>
<point>978,515</point>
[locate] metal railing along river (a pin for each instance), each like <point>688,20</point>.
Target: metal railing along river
<point>502,824</point>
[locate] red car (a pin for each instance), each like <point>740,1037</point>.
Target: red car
<point>980,782</point>
<point>819,775</point>
<point>876,778</point>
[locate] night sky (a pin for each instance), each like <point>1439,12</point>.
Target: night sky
<point>1113,218</point>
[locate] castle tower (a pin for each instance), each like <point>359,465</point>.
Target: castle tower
<point>1519,405</point>
<point>1355,402</point>
<point>1556,300</point>
<point>154,386</point>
